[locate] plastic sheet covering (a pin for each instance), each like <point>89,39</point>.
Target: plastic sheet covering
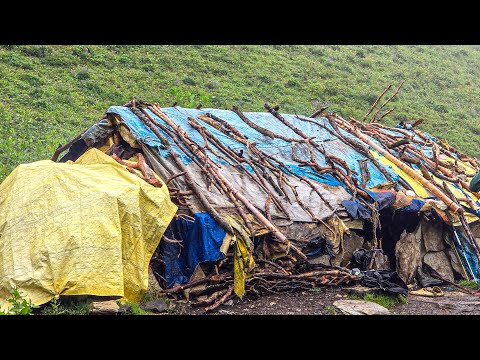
<point>275,147</point>
<point>466,248</point>
<point>200,242</point>
<point>88,227</point>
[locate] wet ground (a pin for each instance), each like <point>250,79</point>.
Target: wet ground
<point>320,302</point>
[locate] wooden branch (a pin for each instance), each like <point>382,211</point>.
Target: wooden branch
<point>212,298</point>
<point>259,179</point>
<point>227,126</point>
<point>285,122</point>
<point>314,187</point>
<point>388,100</point>
<point>385,114</point>
<point>213,278</point>
<point>398,143</point>
<point>264,221</point>
<point>220,301</point>
<point>432,188</point>
<point>174,176</point>
<point>358,146</point>
<point>375,103</point>
<point>417,123</point>
<point>276,266</point>
<point>188,178</point>
<point>147,172</point>
<point>267,207</point>
<point>464,222</point>
<point>318,112</point>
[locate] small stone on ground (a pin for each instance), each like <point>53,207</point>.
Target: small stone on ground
<point>104,307</point>
<point>155,306</point>
<point>359,307</point>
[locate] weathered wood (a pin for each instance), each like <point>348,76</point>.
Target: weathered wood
<point>264,221</point>
<point>388,112</point>
<point>417,123</point>
<point>432,188</point>
<point>174,177</point>
<point>188,178</point>
<point>220,301</point>
<point>62,148</point>
<point>375,103</point>
<point>398,143</point>
<point>387,101</point>
<point>314,187</point>
<point>319,112</point>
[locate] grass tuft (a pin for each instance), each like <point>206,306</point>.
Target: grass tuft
<point>387,301</point>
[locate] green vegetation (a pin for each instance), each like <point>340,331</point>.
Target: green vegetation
<point>330,310</point>
<point>135,309</point>
<point>387,301</point>
<point>469,284</point>
<point>48,94</point>
<point>78,306</point>
<point>19,304</point>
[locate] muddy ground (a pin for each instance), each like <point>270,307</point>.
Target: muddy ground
<point>320,302</point>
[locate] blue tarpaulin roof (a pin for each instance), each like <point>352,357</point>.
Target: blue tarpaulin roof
<point>276,147</point>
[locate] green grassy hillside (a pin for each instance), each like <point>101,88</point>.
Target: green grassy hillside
<point>48,94</point>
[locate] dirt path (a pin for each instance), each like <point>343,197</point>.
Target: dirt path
<point>320,302</point>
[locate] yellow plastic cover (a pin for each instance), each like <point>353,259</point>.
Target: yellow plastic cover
<point>88,227</point>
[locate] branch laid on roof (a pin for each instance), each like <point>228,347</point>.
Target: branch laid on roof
<point>319,112</point>
<point>188,178</point>
<point>375,103</point>
<point>388,112</point>
<point>264,221</point>
<point>386,102</point>
<point>259,179</point>
<point>354,144</point>
<point>432,188</point>
<point>347,179</point>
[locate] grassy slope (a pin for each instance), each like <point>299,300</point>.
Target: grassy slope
<point>48,94</point>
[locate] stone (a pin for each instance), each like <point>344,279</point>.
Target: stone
<point>440,263</point>
<point>432,234</point>
<point>109,307</point>
<point>350,244</point>
<point>320,260</point>
<point>360,307</point>
<point>124,309</point>
<point>155,306</point>
<point>153,285</point>
<point>408,255</point>
<point>381,261</point>
<point>475,228</point>
<point>455,262</point>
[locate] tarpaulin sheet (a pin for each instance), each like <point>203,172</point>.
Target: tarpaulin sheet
<point>281,149</point>
<point>278,148</point>
<point>381,198</point>
<point>466,249</point>
<point>88,227</point>
<point>200,242</point>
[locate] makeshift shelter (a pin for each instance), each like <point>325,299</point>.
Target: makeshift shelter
<point>302,198</point>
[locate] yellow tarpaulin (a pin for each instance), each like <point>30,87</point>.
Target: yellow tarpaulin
<point>423,193</point>
<point>416,186</point>
<point>88,227</point>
